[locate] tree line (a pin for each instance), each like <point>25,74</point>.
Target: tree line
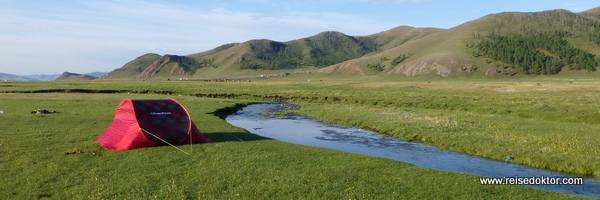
<point>535,53</point>
<point>322,50</point>
<point>272,55</point>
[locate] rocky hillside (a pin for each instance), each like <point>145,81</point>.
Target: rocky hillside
<point>133,68</point>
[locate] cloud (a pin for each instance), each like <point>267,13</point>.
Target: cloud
<point>103,35</point>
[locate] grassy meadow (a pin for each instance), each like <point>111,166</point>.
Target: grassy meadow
<point>551,125</point>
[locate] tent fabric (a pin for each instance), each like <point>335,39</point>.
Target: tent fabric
<point>166,119</point>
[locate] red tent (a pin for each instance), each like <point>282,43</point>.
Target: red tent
<point>148,123</point>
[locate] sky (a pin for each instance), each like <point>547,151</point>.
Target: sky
<point>82,36</point>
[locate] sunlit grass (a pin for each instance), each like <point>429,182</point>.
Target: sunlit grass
<point>34,163</point>
<point>565,147</point>
<point>544,124</point>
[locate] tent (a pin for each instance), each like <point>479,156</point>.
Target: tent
<point>148,123</point>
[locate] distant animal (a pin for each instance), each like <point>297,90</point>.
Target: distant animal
<point>508,159</point>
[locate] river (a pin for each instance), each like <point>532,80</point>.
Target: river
<point>307,131</point>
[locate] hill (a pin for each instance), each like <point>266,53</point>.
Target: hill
<point>503,44</point>
<point>12,77</point>
<point>537,40</point>
<point>42,77</point>
<point>96,74</point>
<point>67,76</point>
<point>133,68</point>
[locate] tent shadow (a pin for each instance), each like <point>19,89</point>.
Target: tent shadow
<point>233,137</point>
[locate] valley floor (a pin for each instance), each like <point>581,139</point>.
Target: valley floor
<point>551,125</point>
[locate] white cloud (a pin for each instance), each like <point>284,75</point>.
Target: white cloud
<point>84,36</point>
<point>101,35</point>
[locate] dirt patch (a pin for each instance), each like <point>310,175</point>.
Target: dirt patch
<point>41,196</point>
<point>442,65</point>
<point>82,152</point>
<point>345,68</point>
<point>42,111</point>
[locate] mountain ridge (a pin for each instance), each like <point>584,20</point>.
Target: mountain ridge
<point>44,77</point>
<point>403,51</point>
<point>13,77</point>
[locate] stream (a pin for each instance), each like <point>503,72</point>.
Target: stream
<point>307,131</point>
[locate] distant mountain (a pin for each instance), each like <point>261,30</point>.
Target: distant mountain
<point>12,77</point>
<point>503,44</point>
<point>45,77</point>
<point>42,77</point>
<point>67,76</point>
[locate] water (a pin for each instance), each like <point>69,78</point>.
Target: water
<point>306,131</point>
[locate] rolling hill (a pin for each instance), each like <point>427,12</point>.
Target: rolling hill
<point>503,44</point>
<point>133,68</point>
<point>12,77</point>
<point>68,76</point>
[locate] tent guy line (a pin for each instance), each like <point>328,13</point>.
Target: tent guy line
<point>145,131</point>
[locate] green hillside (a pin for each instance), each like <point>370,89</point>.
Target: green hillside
<point>175,65</point>
<point>67,76</point>
<point>321,50</point>
<point>497,45</point>
<point>133,68</point>
<point>505,44</point>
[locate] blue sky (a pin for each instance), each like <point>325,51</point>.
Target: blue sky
<point>82,36</point>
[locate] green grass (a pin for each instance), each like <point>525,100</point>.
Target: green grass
<point>565,147</point>
<point>545,124</point>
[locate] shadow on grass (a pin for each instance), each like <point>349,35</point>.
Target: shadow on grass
<point>233,137</point>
